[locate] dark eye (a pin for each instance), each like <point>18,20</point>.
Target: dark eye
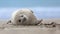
<point>19,20</point>
<point>21,15</point>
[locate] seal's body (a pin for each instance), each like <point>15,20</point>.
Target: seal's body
<point>24,17</point>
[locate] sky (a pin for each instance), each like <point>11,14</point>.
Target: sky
<point>29,3</point>
<point>41,8</point>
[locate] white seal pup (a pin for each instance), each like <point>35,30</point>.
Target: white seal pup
<point>24,17</point>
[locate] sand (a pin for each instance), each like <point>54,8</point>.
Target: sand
<point>11,29</point>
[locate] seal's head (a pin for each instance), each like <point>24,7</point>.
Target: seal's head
<point>21,19</point>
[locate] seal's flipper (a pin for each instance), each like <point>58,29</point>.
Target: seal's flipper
<point>9,22</point>
<point>39,21</point>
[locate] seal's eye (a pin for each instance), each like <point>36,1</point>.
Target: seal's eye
<point>19,20</point>
<point>21,15</point>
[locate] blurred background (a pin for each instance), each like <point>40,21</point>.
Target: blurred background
<point>42,8</point>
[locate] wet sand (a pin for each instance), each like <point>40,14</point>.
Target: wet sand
<point>11,29</point>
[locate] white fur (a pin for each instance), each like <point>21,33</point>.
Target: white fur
<point>31,19</point>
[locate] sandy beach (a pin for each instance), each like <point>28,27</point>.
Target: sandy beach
<point>10,29</point>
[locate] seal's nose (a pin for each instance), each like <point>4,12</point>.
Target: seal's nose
<point>24,19</point>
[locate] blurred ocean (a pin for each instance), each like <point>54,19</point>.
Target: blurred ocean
<point>39,12</point>
<point>42,8</point>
